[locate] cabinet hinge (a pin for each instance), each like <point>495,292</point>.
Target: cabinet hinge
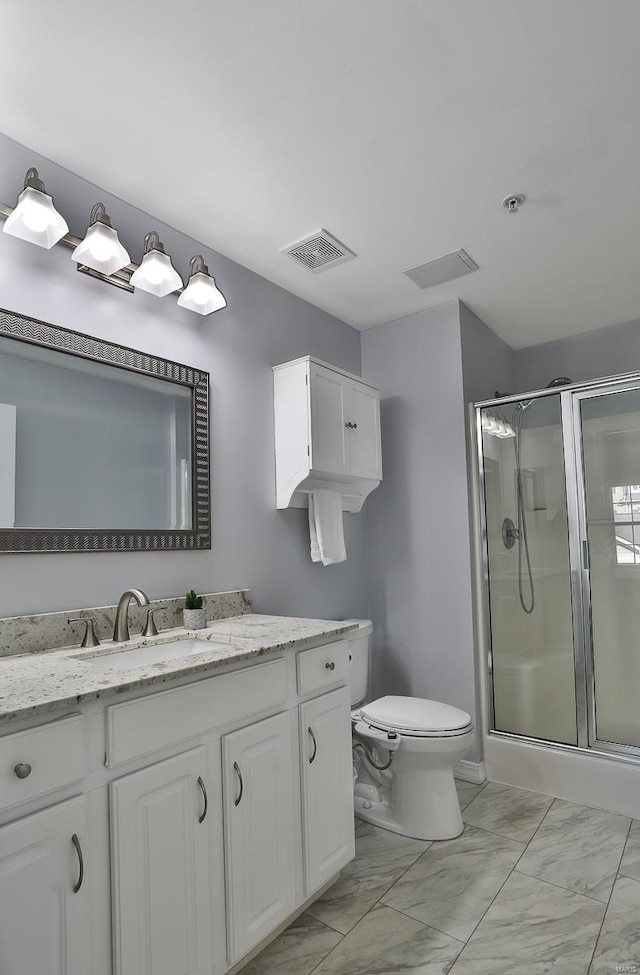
<point>308,451</point>
<point>306,380</point>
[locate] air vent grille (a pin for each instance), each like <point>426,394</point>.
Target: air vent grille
<point>318,252</point>
<point>445,268</point>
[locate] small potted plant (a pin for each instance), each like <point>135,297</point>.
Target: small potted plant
<point>193,614</point>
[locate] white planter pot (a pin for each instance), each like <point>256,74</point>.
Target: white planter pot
<point>194,619</point>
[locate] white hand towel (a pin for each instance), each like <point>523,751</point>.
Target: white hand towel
<point>325,515</point>
<point>313,535</point>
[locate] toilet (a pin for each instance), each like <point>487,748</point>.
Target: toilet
<point>422,740</point>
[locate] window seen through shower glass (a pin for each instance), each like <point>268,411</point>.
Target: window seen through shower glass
<point>529,575</point>
<point>625,502</point>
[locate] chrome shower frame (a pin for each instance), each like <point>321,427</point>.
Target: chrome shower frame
<point>570,399</point>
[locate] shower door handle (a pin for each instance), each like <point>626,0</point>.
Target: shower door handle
<point>586,563</point>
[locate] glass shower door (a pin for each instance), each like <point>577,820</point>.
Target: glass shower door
<point>527,560</point>
<point>609,437</point>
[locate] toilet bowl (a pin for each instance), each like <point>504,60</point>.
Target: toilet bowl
<point>407,748</point>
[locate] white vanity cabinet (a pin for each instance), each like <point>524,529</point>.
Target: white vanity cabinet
<point>44,920</point>
<point>165,919</point>
<point>327,433</point>
<point>198,812</point>
<point>327,787</point>
<point>262,831</point>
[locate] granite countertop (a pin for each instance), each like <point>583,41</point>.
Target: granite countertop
<point>31,683</point>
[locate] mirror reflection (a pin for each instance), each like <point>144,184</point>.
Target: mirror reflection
<point>89,445</point>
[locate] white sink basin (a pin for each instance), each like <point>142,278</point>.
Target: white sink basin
<point>121,658</point>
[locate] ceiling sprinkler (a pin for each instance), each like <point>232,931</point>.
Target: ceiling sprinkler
<point>513,202</point>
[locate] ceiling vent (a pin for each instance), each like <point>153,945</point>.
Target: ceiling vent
<point>442,269</point>
<point>318,252</point>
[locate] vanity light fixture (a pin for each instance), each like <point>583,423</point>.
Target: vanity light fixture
<point>35,218</point>
<point>156,274</point>
<point>101,250</point>
<point>101,255</point>
<point>201,293</point>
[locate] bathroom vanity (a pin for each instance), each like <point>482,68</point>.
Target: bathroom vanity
<point>170,813</point>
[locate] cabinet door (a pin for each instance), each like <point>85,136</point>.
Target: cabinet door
<point>329,441</point>
<point>362,408</point>
<point>327,787</point>
<point>161,869</point>
<point>262,810</point>
<point>44,924</point>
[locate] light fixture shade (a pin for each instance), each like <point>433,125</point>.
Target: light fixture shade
<point>156,273</point>
<point>101,250</point>
<point>201,293</point>
<point>35,218</point>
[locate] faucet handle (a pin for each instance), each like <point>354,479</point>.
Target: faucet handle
<point>150,628</point>
<point>89,639</point>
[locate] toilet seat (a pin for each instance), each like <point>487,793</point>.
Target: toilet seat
<point>417,717</point>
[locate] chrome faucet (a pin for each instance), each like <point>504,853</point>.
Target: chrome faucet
<point>121,628</point>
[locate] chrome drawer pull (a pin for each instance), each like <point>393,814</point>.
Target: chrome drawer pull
<point>76,843</point>
<point>236,801</point>
<point>22,770</point>
<point>330,665</point>
<point>206,801</point>
<point>315,745</point>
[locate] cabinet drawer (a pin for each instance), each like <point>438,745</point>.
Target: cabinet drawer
<point>148,724</point>
<point>322,667</point>
<point>49,757</point>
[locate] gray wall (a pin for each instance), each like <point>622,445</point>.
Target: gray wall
<point>417,521</point>
<point>487,367</point>
<point>253,544</point>
<point>605,352</point>
<point>428,366</point>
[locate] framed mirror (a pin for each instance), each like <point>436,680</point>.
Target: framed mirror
<point>102,448</point>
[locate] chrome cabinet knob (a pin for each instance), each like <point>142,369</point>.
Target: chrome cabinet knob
<point>330,665</point>
<point>22,770</point>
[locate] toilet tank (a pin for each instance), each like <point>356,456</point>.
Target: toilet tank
<point>359,641</point>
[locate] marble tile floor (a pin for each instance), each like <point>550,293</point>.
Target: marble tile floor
<point>534,886</point>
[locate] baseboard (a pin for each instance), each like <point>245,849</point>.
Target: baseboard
<point>470,771</point>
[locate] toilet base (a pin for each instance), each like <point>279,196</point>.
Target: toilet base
<point>373,805</point>
<point>417,796</point>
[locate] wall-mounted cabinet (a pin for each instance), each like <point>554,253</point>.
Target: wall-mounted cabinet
<point>327,434</point>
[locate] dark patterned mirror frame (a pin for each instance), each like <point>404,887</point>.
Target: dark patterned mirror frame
<point>16,540</point>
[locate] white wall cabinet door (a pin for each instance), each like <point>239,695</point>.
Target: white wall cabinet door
<point>327,787</point>
<point>44,923</point>
<point>329,436</point>
<point>262,814</point>
<point>363,411</point>
<point>161,868</point>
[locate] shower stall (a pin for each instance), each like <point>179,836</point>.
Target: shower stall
<point>559,489</point>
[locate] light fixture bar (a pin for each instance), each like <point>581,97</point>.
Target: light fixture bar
<point>122,278</point>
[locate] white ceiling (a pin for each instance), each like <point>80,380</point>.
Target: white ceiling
<point>398,125</point>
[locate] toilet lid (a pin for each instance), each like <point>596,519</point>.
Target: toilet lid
<point>416,714</point>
